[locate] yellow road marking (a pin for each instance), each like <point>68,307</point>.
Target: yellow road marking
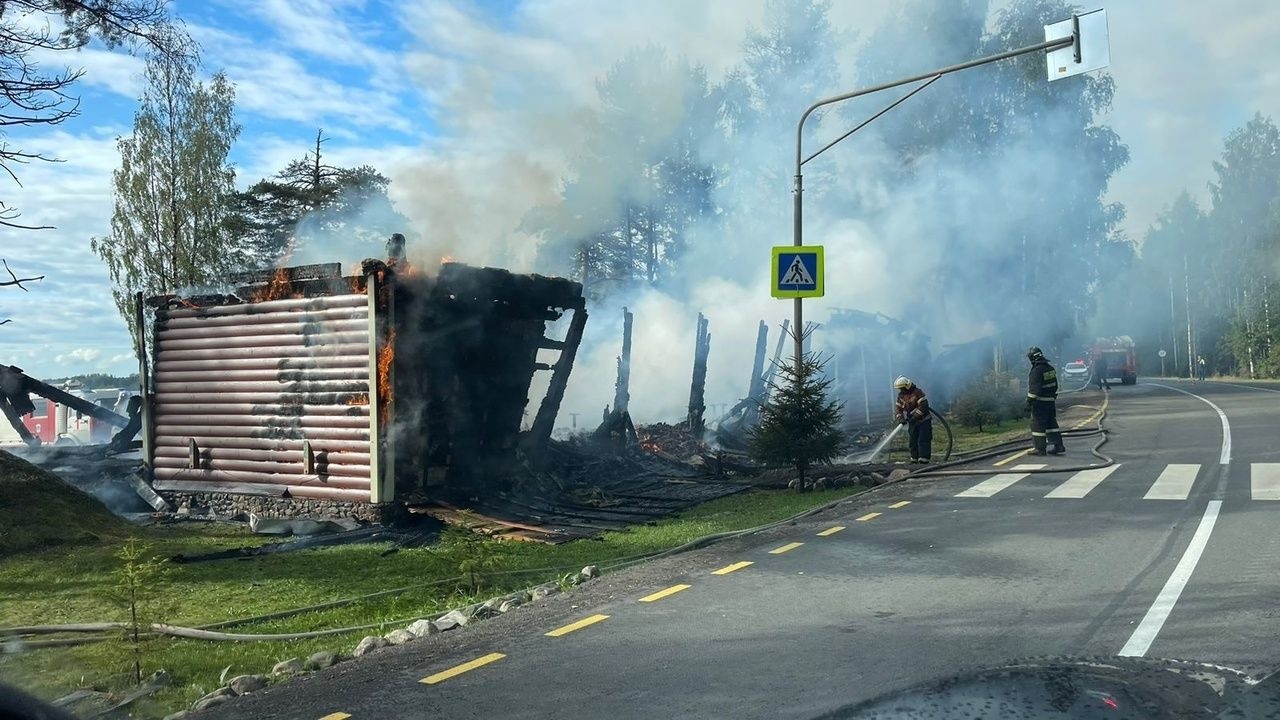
<point>1106,400</point>
<point>1012,457</point>
<point>902,504</point>
<point>336,716</point>
<point>664,593</point>
<point>831,530</point>
<point>785,548</point>
<point>584,622</point>
<point>730,568</point>
<point>459,669</point>
<point>868,516</point>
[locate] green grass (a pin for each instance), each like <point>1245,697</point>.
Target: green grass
<point>968,439</point>
<point>66,585</point>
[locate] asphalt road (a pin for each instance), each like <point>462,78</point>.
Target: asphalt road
<point>1168,553</point>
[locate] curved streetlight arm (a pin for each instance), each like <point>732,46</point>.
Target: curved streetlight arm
<point>931,76</point>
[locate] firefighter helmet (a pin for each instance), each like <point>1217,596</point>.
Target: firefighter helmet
<point>1034,353</point>
<point>903,383</point>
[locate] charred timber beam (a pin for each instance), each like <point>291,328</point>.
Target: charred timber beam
<point>549,344</point>
<point>777,356</point>
<point>756,388</point>
<point>544,422</point>
<point>16,421</point>
<point>698,387</point>
<point>622,387</point>
<point>49,392</point>
<point>319,271</point>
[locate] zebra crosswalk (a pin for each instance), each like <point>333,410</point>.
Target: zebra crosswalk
<point>1174,482</point>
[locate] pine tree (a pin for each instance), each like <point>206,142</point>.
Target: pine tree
<point>800,425</point>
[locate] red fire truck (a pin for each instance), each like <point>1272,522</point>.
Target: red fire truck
<point>54,423</point>
<point>1115,358</point>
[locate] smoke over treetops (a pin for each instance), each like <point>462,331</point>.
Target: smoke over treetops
<point>646,150</point>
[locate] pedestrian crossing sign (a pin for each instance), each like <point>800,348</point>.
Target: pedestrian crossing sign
<point>797,271</point>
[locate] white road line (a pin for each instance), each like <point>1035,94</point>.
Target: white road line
<point>1224,458</point>
<point>1082,482</point>
<point>1174,483</point>
<point>1265,481</point>
<point>995,484</point>
<point>1140,642</point>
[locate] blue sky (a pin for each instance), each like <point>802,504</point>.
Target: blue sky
<point>472,109</point>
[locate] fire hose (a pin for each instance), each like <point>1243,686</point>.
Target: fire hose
<point>207,632</point>
<point>1100,431</point>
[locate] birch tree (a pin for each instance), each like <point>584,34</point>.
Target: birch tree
<point>169,229</point>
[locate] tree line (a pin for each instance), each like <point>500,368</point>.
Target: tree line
<point>1001,175</point>
<point>674,170</point>
<point>1204,282</point>
<point>179,221</point>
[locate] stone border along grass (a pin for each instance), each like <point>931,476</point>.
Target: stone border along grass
<point>459,617</point>
<point>423,627</point>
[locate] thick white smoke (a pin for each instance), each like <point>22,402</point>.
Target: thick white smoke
<point>516,104</point>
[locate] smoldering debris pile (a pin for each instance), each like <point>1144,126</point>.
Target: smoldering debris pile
<point>583,488</point>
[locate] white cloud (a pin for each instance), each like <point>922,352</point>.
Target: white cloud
<point>273,84</point>
<point>322,29</point>
<point>79,355</point>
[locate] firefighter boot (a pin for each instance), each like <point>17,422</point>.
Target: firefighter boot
<point>1039,442</point>
<point>1058,447</point>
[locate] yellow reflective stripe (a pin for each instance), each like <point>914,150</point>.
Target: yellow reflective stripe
<point>1037,434</point>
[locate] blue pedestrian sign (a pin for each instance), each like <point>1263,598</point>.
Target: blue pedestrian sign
<point>797,271</point>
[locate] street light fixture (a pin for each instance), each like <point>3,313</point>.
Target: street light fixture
<point>1088,50</point>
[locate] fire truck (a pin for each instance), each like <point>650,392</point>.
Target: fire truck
<point>57,424</point>
<point>1119,357</point>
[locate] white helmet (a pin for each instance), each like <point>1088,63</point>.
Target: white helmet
<point>903,383</point>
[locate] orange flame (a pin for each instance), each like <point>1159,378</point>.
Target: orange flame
<point>446,259</point>
<point>386,355</point>
<point>358,399</point>
<point>279,288</point>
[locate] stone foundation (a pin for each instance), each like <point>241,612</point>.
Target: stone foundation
<point>229,505</point>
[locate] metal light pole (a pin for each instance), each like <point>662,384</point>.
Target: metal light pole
<point>931,77</point>
<point>1098,57</point>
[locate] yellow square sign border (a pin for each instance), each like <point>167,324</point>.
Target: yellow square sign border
<point>819,286</point>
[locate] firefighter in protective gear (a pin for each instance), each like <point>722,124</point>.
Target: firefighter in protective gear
<point>912,410</point>
<point>1042,401</point>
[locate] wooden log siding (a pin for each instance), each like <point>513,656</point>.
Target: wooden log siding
<point>250,384</point>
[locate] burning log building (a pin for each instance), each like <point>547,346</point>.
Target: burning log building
<point>306,391</point>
